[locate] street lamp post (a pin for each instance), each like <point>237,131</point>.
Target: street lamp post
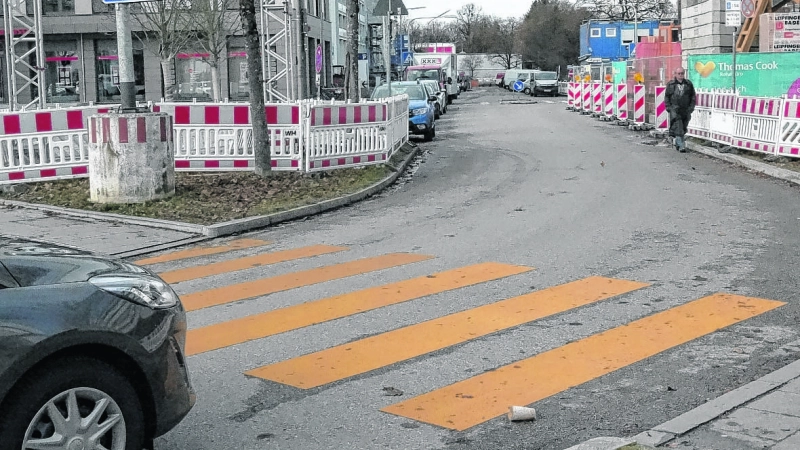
<point>432,18</point>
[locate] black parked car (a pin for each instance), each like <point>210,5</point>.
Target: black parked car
<point>91,351</point>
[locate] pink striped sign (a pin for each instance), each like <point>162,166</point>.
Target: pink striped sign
<point>347,115</point>
<point>587,97</point>
<point>35,174</point>
<point>227,114</point>
<point>622,101</point>
<point>638,104</point>
<point>662,118</point>
<point>608,99</point>
<point>597,97</point>
<point>50,121</point>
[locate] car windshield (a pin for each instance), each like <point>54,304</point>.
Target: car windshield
<point>431,74</point>
<point>415,92</point>
<point>546,76</point>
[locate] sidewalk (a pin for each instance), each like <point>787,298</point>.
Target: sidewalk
<point>763,414</point>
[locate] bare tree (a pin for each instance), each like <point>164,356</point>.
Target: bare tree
<point>629,10</point>
<point>470,63</point>
<point>549,35</point>
<point>351,59</point>
<point>261,145</point>
<point>166,24</point>
<point>213,25</point>
<point>434,31</point>
<point>467,20</point>
<point>506,42</point>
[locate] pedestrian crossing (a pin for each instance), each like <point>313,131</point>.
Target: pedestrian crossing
<point>466,403</point>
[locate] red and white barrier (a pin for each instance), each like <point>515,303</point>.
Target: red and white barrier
<point>622,101</point>
<point>570,95</point>
<point>757,122</point>
<point>788,142</point>
<point>700,125</point>
<point>586,90</point>
<point>662,118</point>
<point>723,117</point>
<point>638,104</point>
<point>608,99</point>
<point>227,113</point>
<point>597,98</point>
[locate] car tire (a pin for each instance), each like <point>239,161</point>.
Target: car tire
<point>90,380</point>
<point>430,134</point>
<point>527,91</point>
<point>438,112</point>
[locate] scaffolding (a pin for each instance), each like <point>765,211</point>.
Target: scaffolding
<point>276,40</point>
<point>25,61</point>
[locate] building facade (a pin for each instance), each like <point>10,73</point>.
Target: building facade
<point>79,41</point>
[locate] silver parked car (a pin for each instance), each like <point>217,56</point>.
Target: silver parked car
<point>441,96</point>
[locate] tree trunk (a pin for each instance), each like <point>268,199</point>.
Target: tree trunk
<point>215,82</point>
<point>353,88</point>
<point>168,74</point>
<point>258,118</point>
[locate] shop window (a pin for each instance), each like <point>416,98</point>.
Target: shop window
<point>237,74</point>
<point>62,73</point>
<point>193,77</point>
<point>107,68</point>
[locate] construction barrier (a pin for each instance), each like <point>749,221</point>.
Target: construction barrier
<point>608,99</point>
<point>586,90</point>
<point>662,118</point>
<point>597,98</point>
<point>788,142</point>
<point>622,101</point>
<point>638,104</point>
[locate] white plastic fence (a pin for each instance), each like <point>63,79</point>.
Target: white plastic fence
<point>760,124</point>
<point>308,135</point>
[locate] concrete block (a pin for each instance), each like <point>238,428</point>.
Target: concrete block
<point>603,443</point>
<point>761,425</point>
<point>653,438</point>
<point>131,157</point>
<point>779,402</point>
<point>793,386</point>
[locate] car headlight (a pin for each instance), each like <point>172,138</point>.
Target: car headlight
<point>143,290</point>
<point>419,111</point>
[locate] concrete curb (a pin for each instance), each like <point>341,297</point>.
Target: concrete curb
<point>233,226</point>
<point>756,166</point>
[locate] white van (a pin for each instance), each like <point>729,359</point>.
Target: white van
<point>545,83</point>
<point>509,78</point>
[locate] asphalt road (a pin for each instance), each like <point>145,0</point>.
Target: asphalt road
<point>555,198</point>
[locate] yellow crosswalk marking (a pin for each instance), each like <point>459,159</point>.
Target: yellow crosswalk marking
<point>264,286</point>
<point>291,318</point>
<point>484,397</point>
<point>248,262</point>
<point>317,369</point>
<point>203,251</point>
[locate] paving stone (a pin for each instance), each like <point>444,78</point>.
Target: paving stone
<point>779,402</point>
<point>792,386</point>
<point>757,424</point>
<point>790,443</point>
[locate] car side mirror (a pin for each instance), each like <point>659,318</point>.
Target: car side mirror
<point>432,98</point>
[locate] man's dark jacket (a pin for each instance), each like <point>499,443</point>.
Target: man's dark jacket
<point>680,103</point>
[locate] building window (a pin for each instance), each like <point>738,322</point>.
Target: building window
<point>595,32</point>
<point>237,74</point>
<point>62,75</point>
<point>52,6</point>
<point>611,32</point>
<point>107,68</point>
<point>193,77</point>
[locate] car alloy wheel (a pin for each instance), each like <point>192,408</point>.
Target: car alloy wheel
<point>77,419</point>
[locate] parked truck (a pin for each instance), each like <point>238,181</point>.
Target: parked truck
<point>439,61</point>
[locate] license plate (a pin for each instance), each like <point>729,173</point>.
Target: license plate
<point>548,90</point>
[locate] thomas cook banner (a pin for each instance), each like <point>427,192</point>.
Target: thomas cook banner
<point>757,74</point>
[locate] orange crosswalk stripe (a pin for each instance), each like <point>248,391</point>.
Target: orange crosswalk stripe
<point>336,363</point>
<point>238,244</point>
<point>305,314</point>
<point>264,286</point>
<point>486,396</point>
<point>248,262</point>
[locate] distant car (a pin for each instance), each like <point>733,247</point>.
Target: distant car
<point>421,109</point>
<point>441,97</point>
<point>91,351</point>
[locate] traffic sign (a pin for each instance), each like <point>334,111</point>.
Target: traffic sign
<point>318,59</point>
<point>749,8</point>
<point>407,58</point>
<point>733,5</point>
<point>518,85</point>
<point>733,19</point>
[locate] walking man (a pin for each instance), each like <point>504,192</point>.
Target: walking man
<point>680,99</point>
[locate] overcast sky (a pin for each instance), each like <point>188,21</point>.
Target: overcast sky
<point>500,8</point>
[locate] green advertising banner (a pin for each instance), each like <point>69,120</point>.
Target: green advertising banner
<point>620,69</point>
<point>757,74</point>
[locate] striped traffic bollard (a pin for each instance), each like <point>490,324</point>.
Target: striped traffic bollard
<point>597,98</point>
<point>608,99</point>
<point>638,104</point>
<point>569,95</point>
<point>587,97</point>
<point>622,101</point>
<point>662,119</point>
